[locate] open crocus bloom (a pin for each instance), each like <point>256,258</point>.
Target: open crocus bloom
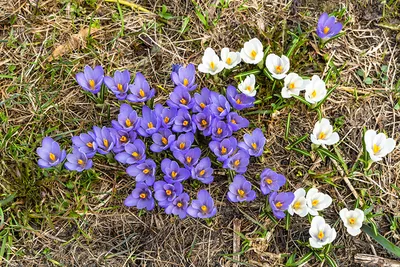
<point>323,133</point>
<point>299,205</point>
<point>293,85</point>
<point>252,52</point>
<point>378,145</point>
<point>91,79</point>
<point>210,63</point>
<point>315,90</point>
<point>317,201</point>
<point>321,233</point>
<point>231,59</point>
<point>327,26</point>
<point>353,220</point>
<point>248,86</point>
<point>277,66</point>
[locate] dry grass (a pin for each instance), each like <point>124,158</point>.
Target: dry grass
<point>68,219</point>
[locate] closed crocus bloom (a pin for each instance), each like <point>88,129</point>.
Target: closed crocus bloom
<point>105,139</point>
<point>183,142</point>
<point>223,149</point>
<point>248,86</point>
<point>252,51</point>
<point>253,143</point>
<point>203,121</point>
<point>163,139</point>
<point>317,201</point>
<point>185,76</point>
<point>140,198</point>
<point>179,206</point>
<point>353,220</point>
<point>78,161</point>
<point>315,90</point>
<point>277,66</point>
<point>271,181</point>
<point>128,119</point>
<point>180,98</point>
<point>238,101</point>
<point>119,84</point>
<point>230,58</point>
<point>149,123</point>
<point>50,153</point>
<point>134,153</point>
<point>220,130</point>
<point>202,100</point>
<point>321,233</point>
<point>203,171</point>
<point>240,190</point>
<point>188,158</point>
<point>165,193</point>
<point>140,89</point>
<point>238,162</point>
<point>183,122</point>
<point>85,143</point>
<point>236,122</point>
<point>279,203</point>
<point>293,84</point>
<point>210,62</point>
<point>327,26</point>
<point>91,79</point>
<point>172,172</point>
<point>323,133</point>
<point>219,106</point>
<point>202,207</point>
<point>299,205</point>
<point>143,172</point>
<point>378,145</point>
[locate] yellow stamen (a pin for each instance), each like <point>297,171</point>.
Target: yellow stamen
<point>202,105</point>
<point>141,93</point>
<point>143,195</point>
<point>105,142</point>
<point>233,121</point>
<point>135,154</point>
<point>89,144</point>
<point>185,82</point>
<point>268,181</point>
<point>220,109</point>
<point>321,135</point>
<point>120,88</point>
<point>223,150</point>
<point>166,119</point>
<point>202,172</point>
<point>321,235</point>
<point>315,202</point>
<point>352,221</point>
<point>279,69</point>
<point>174,174</point>
<point>291,86</point>
<point>229,61</point>
<point>183,101</point>
<point>204,208</point>
<point>241,192</point>
<point>212,65</point>
<point>253,54</point>
<point>146,171</point>
<point>168,192</point>
<point>123,139</point>
<point>164,140</point>
<point>188,159</point>
<point>238,101</point>
<point>52,157</point>
<point>182,145</point>
<point>376,148</point>
<point>204,122</point>
<point>314,93</point>
<point>91,84</point>
<point>185,123</point>
<point>236,163</point>
<point>249,88</point>
<point>326,29</point>
<point>150,125</point>
<point>254,145</point>
<point>179,204</point>
<point>297,205</point>
<point>278,204</point>
<point>80,162</point>
<point>219,131</point>
<point>128,123</point>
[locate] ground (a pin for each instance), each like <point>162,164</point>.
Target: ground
<point>67,219</point>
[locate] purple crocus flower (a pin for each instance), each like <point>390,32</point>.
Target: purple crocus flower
<point>78,161</point>
<point>223,149</point>
<point>271,181</point>
<point>183,142</point>
<point>176,67</point>
<point>50,153</point>
<point>173,173</point>
<point>238,101</point>
<point>123,138</point>
<point>203,121</point>
<point>91,79</point>
<point>238,162</point>
<point>183,122</point>
<point>134,153</point>
<point>180,98</point>
<point>140,89</point>
<point>280,202</point>
<point>127,119</point>
<point>162,140</point>
<point>105,139</point>
<point>188,158</point>
<point>119,84</point>
<point>140,197</point>
<point>85,143</point>
<point>144,172</point>
<point>185,76</point>
<point>202,100</point>
<point>165,193</point>
<point>327,26</point>
<point>149,123</point>
<point>240,190</point>
<point>219,106</point>
<point>179,206</point>
<point>166,115</point>
<point>203,171</point>
<point>253,143</point>
<point>203,206</point>
<point>220,130</point>
<point>236,122</point>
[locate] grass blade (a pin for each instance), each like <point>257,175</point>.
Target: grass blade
<point>303,260</point>
<point>389,246</point>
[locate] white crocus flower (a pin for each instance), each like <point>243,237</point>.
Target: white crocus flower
<point>277,66</point>
<point>211,62</point>
<point>317,201</point>
<point>293,85</point>
<point>248,86</point>
<point>353,220</point>
<point>299,205</point>
<point>378,145</point>
<point>252,51</point>
<point>323,133</point>
<point>315,90</point>
<point>230,58</point>
<point>321,233</point>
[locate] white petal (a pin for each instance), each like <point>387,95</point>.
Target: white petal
<point>224,53</point>
<point>314,243</point>
<point>203,68</point>
<point>354,231</point>
<point>369,138</point>
<point>333,139</point>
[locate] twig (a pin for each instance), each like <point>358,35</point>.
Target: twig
<point>372,261</point>
<point>236,240</point>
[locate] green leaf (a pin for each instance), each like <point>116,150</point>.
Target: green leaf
<point>246,73</point>
<point>331,262</point>
<point>298,141</point>
<point>397,106</point>
<point>389,246</point>
<point>368,81</point>
<point>185,23</point>
<point>301,99</point>
<point>301,151</point>
<point>303,260</point>
<point>384,68</point>
<point>287,126</point>
<point>360,73</point>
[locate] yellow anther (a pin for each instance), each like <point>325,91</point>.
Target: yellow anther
<point>150,125</point>
<point>185,82</point>
<point>142,93</point>
<point>326,29</point>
